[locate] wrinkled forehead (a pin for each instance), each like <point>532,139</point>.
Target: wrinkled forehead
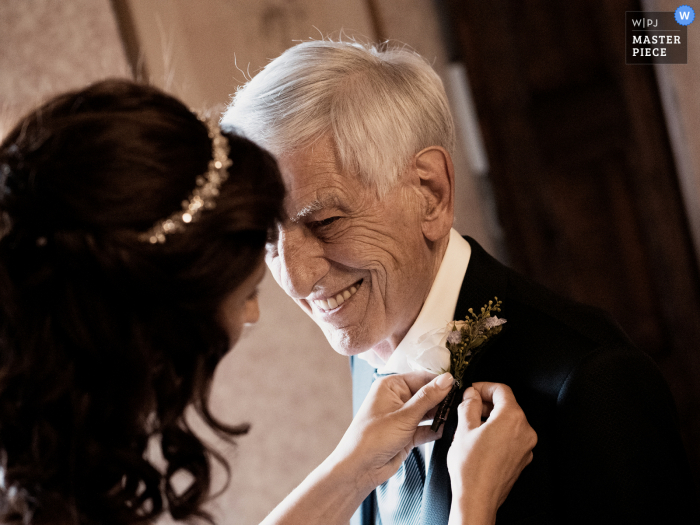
<point>314,181</point>
<point>317,196</point>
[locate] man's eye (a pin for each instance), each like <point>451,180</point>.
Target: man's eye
<point>324,222</point>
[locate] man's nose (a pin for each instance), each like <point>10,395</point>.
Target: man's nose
<point>302,261</point>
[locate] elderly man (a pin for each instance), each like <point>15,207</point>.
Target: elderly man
<point>363,138</point>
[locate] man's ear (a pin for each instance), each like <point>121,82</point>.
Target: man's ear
<point>435,171</point>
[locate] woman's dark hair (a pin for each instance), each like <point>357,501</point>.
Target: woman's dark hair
<point>106,339</point>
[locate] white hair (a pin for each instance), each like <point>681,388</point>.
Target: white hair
<point>379,106</point>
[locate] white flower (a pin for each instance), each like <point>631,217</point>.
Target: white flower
<point>430,352</point>
<point>435,360</point>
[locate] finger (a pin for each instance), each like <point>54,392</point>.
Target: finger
<point>486,408</point>
<point>430,415</point>
<point>428,397</point>
<point>498,394</point>
<point>424,435</point>
<point>416,380</point>
<point>529,458</point>
<point>469,410</point>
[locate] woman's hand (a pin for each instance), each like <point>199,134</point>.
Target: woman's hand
<point>487,457</point>
<point>385,428</point>
<point>380,437</point>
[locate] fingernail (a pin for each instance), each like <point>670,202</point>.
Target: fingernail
<point>445,380</point>
<point>470,392</point>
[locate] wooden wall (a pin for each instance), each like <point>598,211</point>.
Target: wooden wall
<point>587,182</point>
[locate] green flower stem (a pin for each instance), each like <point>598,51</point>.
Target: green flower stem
<point>443,409</point>
<point>474,333</point>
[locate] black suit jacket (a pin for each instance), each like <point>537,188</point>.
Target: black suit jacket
<point>609,449</point>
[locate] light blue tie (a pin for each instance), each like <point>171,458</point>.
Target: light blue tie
<point>399,499</point>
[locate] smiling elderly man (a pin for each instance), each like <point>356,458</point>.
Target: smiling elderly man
<point>344,242</point>
<point>364,138</point>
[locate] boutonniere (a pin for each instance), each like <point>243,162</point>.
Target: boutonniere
<point>452,348</point>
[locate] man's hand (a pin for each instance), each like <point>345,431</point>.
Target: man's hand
<point>385,428</point>
<point>487,457</point>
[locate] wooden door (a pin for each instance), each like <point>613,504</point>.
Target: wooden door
<point>583,172</point>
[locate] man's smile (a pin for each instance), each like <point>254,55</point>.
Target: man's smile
<point>334,301</point>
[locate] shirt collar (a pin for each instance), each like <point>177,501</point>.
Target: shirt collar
<point>438,308</point>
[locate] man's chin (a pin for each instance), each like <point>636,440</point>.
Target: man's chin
<point>345,345</point>
<point>347,351</point>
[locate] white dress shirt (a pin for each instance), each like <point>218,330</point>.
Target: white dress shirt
<point>438,310</point>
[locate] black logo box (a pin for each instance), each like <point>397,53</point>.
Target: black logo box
<point>655,38</point>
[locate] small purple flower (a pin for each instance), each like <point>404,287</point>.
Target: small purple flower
<point>492,322</point>
<point>454,337</point>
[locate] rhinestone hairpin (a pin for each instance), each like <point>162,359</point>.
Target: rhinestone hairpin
<point>203,197</point>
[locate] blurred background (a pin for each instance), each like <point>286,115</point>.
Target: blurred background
<point>574,168</point>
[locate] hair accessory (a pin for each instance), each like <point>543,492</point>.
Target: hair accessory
<point>205,193</point>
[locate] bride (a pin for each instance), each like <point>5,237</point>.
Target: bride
<point>131,247</point>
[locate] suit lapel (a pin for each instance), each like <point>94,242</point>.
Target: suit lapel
<point>484,280</point>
